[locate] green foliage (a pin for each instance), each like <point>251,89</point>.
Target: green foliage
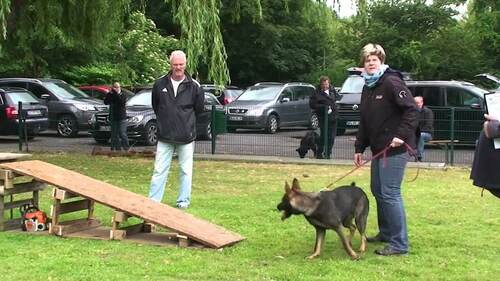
<point>452,228</point>
<point>4,12</point>
<point>97,74</point>
<point>45,37</point>
<point>144,51</point>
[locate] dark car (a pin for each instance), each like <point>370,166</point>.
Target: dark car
<point>100,91</point>
<point>69,108</point>
<point>459,101</point>
<point>35,114</point>
<point>270,106</point>
<point>225,95</point>
<point>142,120</point>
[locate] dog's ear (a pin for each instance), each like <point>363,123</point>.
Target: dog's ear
<point>287,187</point>
<point>295,184</point>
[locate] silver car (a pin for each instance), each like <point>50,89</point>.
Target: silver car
<point>271,106</point>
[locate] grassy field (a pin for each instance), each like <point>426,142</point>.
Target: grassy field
<point>453,231</point>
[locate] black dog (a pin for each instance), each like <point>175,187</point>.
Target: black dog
<point>309,141</point>
<point>330,209</point>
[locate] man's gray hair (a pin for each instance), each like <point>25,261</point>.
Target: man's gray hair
<point>177,53</point>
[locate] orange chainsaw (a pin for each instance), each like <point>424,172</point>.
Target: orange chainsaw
<point>33,219</point>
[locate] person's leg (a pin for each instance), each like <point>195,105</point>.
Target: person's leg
<point>185,156</point>
<point>424,137</point>
<point>123,135</point>
<point>391,175</point>
<point>164,152</point>
<point>332,132</point>
<point>375,186</point>
<point>321,144</point>
<point>115,145</point>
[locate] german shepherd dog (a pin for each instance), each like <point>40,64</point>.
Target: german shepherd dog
<point>309,141</point>
<point>330,209</point>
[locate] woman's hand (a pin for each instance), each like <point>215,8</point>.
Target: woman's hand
<point>358,159</point>
<point>486,123</point>
<point>396,142</point>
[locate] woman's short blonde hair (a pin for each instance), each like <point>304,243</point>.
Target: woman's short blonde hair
<point>372,50</point>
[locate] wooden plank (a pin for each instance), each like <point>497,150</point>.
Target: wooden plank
<point>24,187</point>
<point>18,203</point>
<point>12,224</point>
<point>62,194</point>
<point>73,206</point>
<point>120,217</point>
<point>183,241</point>
<point>67,227</point>
<point>127,201</point>
<point>7,156</point>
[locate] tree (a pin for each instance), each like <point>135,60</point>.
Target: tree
<point>44,37</point>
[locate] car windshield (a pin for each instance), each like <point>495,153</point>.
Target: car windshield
<point>353,84</point>
<point>232,93</point>
<point>477,90</point>
<point>142,98</point>
<point>260,93</point>
<point>24,97</point>
<point>65,91</point>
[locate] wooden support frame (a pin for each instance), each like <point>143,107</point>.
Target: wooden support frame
<point>9,189</point>
<point>61,206</point>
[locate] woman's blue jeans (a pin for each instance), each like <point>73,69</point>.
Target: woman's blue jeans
<point>386,177</point>
<point>164,154</point>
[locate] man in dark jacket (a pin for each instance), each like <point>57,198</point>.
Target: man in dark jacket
<point>322,102</point>
<point>116,100</point>
<point>425,127</point>
<point>176,99</point>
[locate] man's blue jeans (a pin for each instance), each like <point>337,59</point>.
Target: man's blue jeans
<point>164,153</point>
<point>424,137</point>
<point>386,177</point>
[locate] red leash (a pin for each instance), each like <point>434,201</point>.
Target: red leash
<point>410,151</point>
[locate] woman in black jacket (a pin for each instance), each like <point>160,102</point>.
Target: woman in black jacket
<point>487,159</point>
<point>388,122</point>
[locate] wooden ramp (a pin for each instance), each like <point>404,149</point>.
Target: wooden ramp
<point>128,202</point>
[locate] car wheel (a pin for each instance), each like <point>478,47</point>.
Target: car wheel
<point>151,133</point>
<point>208,131</point>
<point>314,122</point>
<point>67,126</point>
<point>272,124</point>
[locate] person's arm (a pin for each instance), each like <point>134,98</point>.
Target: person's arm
<point>199,103</point>
<point>406,103</point>
<point>108,98</point>
<point>154,99</point>
<point>429,120</point>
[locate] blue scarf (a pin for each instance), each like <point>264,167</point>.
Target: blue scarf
<point>371,79</point>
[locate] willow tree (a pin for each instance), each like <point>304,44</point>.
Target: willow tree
<point>40,32</point>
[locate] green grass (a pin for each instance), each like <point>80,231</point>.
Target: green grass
<point>453,231</point>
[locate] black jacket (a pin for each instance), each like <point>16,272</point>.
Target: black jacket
<point>116,102</point>
<point>176,115</point>
<point>388,110</point>
<point>425,120</point>
<point>485,165</point>
<point>320,101</point>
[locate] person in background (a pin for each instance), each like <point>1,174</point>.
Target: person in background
<point>425,126</point>
<point>116,100</point>
<point>322,102</point>
<point>176,99</point>
<point>388,123</point>
<point>486,161</point>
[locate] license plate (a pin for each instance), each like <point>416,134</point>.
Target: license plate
<point>105,128</point>
<point>235,118</point>
<point>34,112</point>
<point>352,123</point>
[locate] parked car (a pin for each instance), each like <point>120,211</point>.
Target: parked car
<point>100,91</point>
<point>488,81</point>
<point>69,108</point>
<point>142,120</point>
<point>463,99</point>
<point>270,106</point>
<point>225,95</point>
<point>36,115</point>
